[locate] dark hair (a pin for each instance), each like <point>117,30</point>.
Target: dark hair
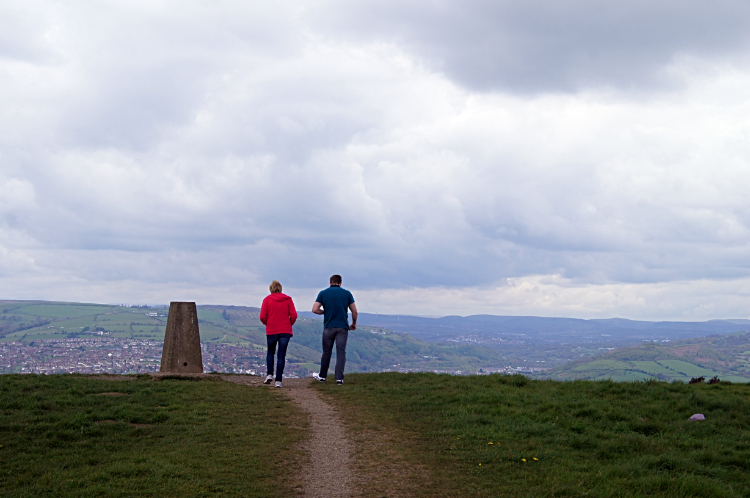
<point>336,280</point>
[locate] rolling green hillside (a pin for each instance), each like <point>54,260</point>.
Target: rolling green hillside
<point>725,356</point>
<point>369,348</point>
<point>28,321</point>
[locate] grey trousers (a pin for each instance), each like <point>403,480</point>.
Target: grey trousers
<point>339,336</point>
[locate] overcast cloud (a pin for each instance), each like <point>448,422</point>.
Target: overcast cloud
<point>569,159</point>
<point>542,45</point>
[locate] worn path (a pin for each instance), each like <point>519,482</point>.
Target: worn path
<point>330,472</point>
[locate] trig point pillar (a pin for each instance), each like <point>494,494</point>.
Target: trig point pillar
<point>182,341</point>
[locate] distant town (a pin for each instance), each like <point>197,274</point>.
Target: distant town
<point>100,355</point>
<point>108,355</point>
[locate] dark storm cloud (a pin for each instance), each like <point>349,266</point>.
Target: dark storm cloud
<point>548,46</point>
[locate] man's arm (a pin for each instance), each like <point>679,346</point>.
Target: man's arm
<point>353,307</point>
<point>317,308</point>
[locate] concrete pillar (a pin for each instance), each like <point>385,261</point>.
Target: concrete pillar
<point>182,341</point>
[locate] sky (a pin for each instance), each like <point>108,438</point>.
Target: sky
<point>464,157</point>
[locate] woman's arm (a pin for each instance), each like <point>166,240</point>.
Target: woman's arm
<point>292,312</point>
<point>264,312</point>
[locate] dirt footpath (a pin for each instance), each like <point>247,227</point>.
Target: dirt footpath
<point>330,472</point>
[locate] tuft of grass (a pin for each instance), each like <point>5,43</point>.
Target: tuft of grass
<point>560,438</point>
<point>61,436</point>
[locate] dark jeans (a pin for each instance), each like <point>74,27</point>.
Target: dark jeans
<point>330,336</point>
<point>283,341</point>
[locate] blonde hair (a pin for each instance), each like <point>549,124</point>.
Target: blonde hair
<point>275,287</point>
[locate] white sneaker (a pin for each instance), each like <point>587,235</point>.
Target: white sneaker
<point>279,384</point>
<point>317,377</point>
<point>269,379</point>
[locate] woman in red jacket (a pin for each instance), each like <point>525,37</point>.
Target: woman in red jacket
<point>278,315</point>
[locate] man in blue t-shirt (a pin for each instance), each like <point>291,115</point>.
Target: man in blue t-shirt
<point>334,304</point>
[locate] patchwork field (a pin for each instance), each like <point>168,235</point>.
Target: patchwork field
<point>722,356</point>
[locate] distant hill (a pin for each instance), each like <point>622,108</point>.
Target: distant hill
<point>549,329</point>
<point>383,342</point>
<point>239,316</point>
<point>369,348</point>
<point>725,356</point>
<point>546,342</point>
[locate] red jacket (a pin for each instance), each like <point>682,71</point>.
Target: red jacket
<point>278,314</point>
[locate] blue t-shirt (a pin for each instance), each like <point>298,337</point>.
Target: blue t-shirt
<point>335,301</point>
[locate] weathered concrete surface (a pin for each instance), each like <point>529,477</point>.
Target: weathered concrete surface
<point>182,340</point>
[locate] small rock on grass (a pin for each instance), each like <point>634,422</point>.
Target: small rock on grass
<point>697,416</point>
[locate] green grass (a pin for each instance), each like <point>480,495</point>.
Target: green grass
<point>117,325</point>
<point>603,365</point>
<point>623,376</point>
<point>654,368</point>
<point>214,316</point>
<point>314,367</point>
<point>180,438</point>
<point>63,310</point>
<point>688,369</point>
<point>679,360</point>
<point>589,438</point>
<point>640,370</point>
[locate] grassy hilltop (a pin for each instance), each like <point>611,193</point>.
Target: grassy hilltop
<point>69,435</point>
<point>76,436</point>
<point>510,436</point>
